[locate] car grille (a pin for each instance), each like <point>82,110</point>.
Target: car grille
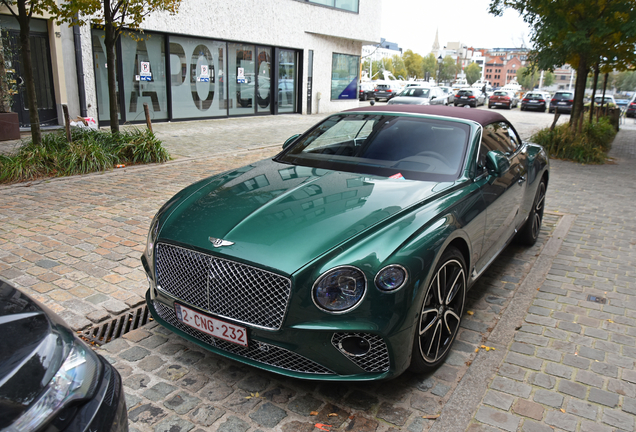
<point>258,351</point>
<point>376,360</point>
<point>224,288</point>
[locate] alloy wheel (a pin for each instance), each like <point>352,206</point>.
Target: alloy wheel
<point>441,311</point>
<point>537,214</point>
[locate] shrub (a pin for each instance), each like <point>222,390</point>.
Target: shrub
<point>90,151</point>
<point>590,146</point>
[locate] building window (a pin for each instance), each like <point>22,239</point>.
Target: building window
<point>348,5</point>
<point>344,76</point>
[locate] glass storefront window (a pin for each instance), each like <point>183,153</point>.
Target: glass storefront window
<point>344,76</point>
<point>287,81</point>
<point>101,76</point>
<point>144,73</point>
<point>197,68</point>
<point>241,78</point>
<point>263,80</point>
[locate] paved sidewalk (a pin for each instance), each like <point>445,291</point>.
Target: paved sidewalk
<point>562,362</point>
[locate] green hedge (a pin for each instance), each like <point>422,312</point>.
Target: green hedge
<point>90,151</point>
<point>590,146</point>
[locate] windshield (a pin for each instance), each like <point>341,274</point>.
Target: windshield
<point>415,92</point>
<point>501,93</point>
<point>534,96</point>
<point>409,147</point>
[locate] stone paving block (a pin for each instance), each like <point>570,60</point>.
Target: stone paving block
<point>268,415</point>
<point>533,426</point>
<point>522,348</point>
<point>572,389</point>
<point>497,418</point>
<point>512,371</point>
<point>621,387</point>
<point>511,387</point>
<point>524,361</point>
<point>588,426</point>
<point>561,420</point>
<point>559,370</point>
<point>305,404</point>
<point>605,369</point>
<point>158,392</point>
<point>148,414</point>
<point>549,398</point>
<point>528,409</point>
<point>592,353</point>
<point>618,419</point>
<point>603,397</point>
<point>549,354</point>
<point>581,409</point>
<point>174,424</point>
<point>393,414</point>
<point>242,402</point>
<point>498,400</point>
<point>234,424</point>
<point>576,361</point>
<point>542,380</point>
<point>206,415</point>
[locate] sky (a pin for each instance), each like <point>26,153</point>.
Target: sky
<point>412,25</point>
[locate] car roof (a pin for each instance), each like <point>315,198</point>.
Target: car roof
<point>482,117</point>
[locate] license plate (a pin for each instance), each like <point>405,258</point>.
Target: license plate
<point>464,97</point>
<point>560,103</point>
<point>212,326</point>
<point>498,103</point>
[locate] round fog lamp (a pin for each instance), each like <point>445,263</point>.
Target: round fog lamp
<point>391,278</point>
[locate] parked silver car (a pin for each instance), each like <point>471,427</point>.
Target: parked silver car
<point>420,96</point>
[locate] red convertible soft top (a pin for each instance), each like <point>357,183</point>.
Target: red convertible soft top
<point>482,117</point>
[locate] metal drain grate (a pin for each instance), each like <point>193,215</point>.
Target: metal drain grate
<point>117,327</point>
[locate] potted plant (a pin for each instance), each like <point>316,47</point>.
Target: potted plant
<point>9,122</point>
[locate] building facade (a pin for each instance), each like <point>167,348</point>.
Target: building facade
<point>217,59</point>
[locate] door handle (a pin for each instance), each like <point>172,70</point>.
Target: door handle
<point>521,180</point>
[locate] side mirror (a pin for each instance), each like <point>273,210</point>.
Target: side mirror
<point>497,163</point>
<point>433,97</point>
<point>290,140</point>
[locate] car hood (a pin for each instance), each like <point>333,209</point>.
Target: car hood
<point>31,352</point>
<point>284,216</point>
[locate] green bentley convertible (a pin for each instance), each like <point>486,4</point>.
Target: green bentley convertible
<point>348,255</point>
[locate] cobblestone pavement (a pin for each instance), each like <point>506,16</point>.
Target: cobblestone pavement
<point>569,357</point>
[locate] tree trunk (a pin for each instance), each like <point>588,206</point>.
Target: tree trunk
<point>579,92</point>
<point>594,85</point>
<point>27,71</point>
<point>110,39</point>
<point>604,87</point>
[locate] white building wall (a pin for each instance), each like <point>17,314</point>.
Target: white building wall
<point>283,23</point>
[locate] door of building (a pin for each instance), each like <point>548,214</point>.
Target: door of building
<point>43,77</point>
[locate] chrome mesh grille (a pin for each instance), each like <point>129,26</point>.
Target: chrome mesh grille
<point>224,288</point>
<point>257,351</point>
<point>376,360</point>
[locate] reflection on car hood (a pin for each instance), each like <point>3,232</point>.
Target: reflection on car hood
<point>409,100</point>
<point>283,216</point>
<point>30,352</point>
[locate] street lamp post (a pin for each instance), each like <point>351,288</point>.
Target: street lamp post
<point>439,68</point>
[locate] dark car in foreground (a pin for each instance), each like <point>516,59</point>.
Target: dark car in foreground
<point>348,256</point>
<point>470,97</point>
<point>535,101</point>
<point>49,379</point>
<point>562,102</point>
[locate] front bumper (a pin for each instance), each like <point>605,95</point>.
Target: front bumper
<point>308,353</point>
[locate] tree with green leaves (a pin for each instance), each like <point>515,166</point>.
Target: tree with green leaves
<point>448,69</point>
<point>413,63</point>
<point>626,81</point>
<point>473,73</point>
<point>399,69</point>
<point>577,32</point>
<point>429,64</point>
<point>114,17</point>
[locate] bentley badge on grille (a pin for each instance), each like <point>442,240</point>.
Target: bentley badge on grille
<point>217,242</point>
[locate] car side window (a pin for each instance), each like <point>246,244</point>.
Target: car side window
<point>496,136</point>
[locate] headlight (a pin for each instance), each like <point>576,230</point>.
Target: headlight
<point>152,235</point>
<point>76,379</point>
<point>339,289</point>
<point>391,278</point>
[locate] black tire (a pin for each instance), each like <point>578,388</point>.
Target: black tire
<point>529,232</point>
<point>440,314</point>
<point>489,106</point>
<point>521,108</point>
